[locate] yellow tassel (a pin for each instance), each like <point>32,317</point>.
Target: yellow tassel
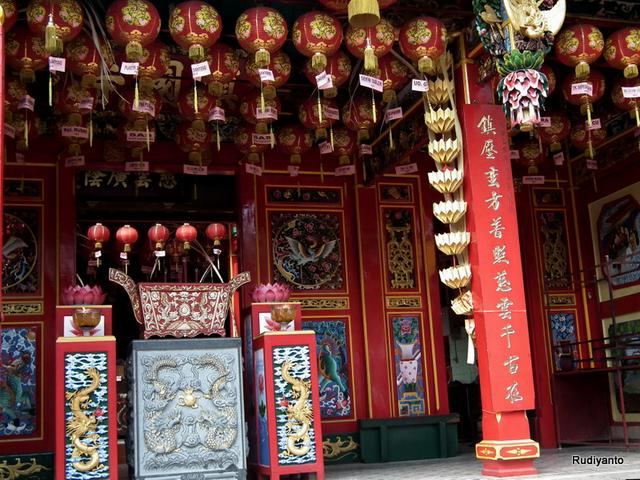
<point>635,109</point>
<point>262,58</point>
<point>318,62</point>
<point>391,145</point>
<point>195,97</point>
<point>319,108</point>
<point>374,112</point>
<point>589,115</point>
<point>218,136</point>
<point>363,13</point>
<point>370,59</point>
<point>91,129</point>
<point>196,53</point>
<point>582,70</point>
<point>50,89</point>
<point>50,36</point>
<point>262,103</point>
<point>272,137</point>
<point>590,150</point>
<point>148,138</point>
<point>631,71</point>
<point>133,51</point>
<point>26,130</point>
<point>426,65</point>
<point>136,95</point>
<point>331,136</point>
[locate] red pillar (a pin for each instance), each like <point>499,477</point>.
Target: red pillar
<point>2,159</point>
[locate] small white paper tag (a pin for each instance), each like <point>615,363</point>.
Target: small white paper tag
<point>124,256</point>
<point>86,103</point>
<point>136,166</point>
<point>217,114</point>
<point>332,113</point>
<point>140,136</point>
<point>419,85</point>
<point>533,180</point>
<point>345,170</point>
<point>199,70</point>
<point>269,113</point>
<point>195,170</point>
<point>75,132</point>
<point>9,130</point>
<point>592,164</point>
<point>97,254</point>
<point>293,170</point>
<point>582,88</point>
<point>595,124</point>
<point>631,92</point>
<point>514,154</point>
<point>365,149</point>
<point>20,157</point>
<point>545,122</point>
<point>129,68</point>
<point>253,169</point>
<point>57,64</point>
<point>261,138</point>
<point>558,158</point>
<point>27,102</point>
<point>145,106</point>
<point>393,114</point>
<point>160,253</point>
<point>325,147</point>
<point>405,169</point>
<point>324,81</point>
<point>75,161</point>
<point>371,82</point>
<point>266,75</point>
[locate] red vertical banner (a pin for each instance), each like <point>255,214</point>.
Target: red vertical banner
<point>504,357</point>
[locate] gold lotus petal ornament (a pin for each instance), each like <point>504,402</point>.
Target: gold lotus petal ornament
<point>438,93</point>
<point>449,211</point>
<point>463,304</point>
<point>452,243</point>
<point>446,181</point>
<point>456,277</point>
<point>440,120</point>
<point>444,151</point>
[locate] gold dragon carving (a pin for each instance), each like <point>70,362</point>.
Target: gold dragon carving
<point>299,414</point>
<point>20,469</point>
<point>333,449</point>
<point>81,428</point>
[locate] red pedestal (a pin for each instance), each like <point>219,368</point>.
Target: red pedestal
<point>287,408</point>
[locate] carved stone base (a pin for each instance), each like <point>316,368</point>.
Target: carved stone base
<point>187,415</point>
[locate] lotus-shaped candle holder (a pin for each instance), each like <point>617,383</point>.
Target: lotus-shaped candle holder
<point>449,211</point>
<point>440,120</point>
<point>270,292</point>
<point>83,295</point>
<point>456,277</point>
<point>86,318</point>
<point>452,243</point>
<point>446,181</point>
<point>444,151</point>
<point>463,304</point>
<point>438,93</point>
<point>283,313</point>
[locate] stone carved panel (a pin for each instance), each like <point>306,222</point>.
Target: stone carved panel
<point>187,418</point>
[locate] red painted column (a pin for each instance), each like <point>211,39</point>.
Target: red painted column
<point>504,357</point>
<point>2,159</point>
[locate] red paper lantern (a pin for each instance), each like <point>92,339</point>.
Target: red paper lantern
<point>551,78</point>
<point>216,232</point>
<point>280,65</point>
<point>344,144</point>
<point>158,234</point>
<point>194,141</point>
<point>585,101</point>
<point>26,128</point>
<point>261,31</point>
<point>628,103</point>
<point>224,65</point>
<point>153,64</point>
<point>294,140</point>
<point>394,74</point>
<point>72,99</point>
<point>127,236</point>
<point>25,53</point>
<point>15,91</point>
<point>60,21</point>
<point>74,138</point>
<point>84,59</point>
<point>135,136</point>
<point>195,26</point>
<point>206,103</point>
<point>423,40</point>
<point>98,234</point>
<point>149,106</point>
<point>317,35</point>
<point>578,46</point>
<point>252,111</point>
<point>10,9</point>
<point>360,115</point>
<point>338,68</point>
<point>370,43</point>
<point>133,24</point>
<point>186,234</point>
<point>587,140</point>
<point>245,142</point>
<point>557,132</point>
<point>314,117</point>
<point>622,51</point>
<point>531,156</point>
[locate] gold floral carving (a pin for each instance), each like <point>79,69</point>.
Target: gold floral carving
<point>403,302</point>
<point>333,449</point>
<point>20,469</point>
<point>22,308</point>
<point>400,256</point>
<point>337,303</point>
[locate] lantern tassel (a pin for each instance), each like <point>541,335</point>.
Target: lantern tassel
<point>50,89</point>
<point>148,137</point>
<point>218,136</point>
<point>426,65</point>
<point>637,112</point>
<point>50,42</point>
<point>391,145</point>
<point>319,108</point>
<point>589,114</point>
<point>374,113</point>
<point>631,71</point>
<point>136,95</point>
<point>331,136</point>
<point>133,50</point>
<point>195,96</point>
<point>272,137</point>
<point>370,59</point>
<point>196,53</point>
<point>262,103</point>
<point>318,62</point>
<point>26,130</point>
<point>582,70</point>
<point>91,129</point>
<point>262,58</point>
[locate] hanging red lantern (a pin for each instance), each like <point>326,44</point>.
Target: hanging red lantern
<point>59,20</point>
<point>199,115</point>
<point>224,65</point>
<point>338,68</point>
<point>424,40</point>
<point>158,235</point>
<point>252,111</point>
<point>133,24</point>
<point>153,64</point>
<point>394,74</point>
<point>76,101</point>
<point>370,43</point>
<point>294,140</point>
<point>313,115</point>
<point>193,141</point>
<point>622,51</point>
<point>25,53</point>
<point>84,59</point>
<point>15,91</point>
<point>344,144</point>
<point>195,26</point>
<point>558,131</point>
<point>127,236</point>
<point>280,66</point>
<point>149,106</point>
<point>10,9</point>
<point>584,100</point>
<point>317,35</point>
<point>261,31</point>
<point>136,136</point>
<point>27,126</point>
<point>186,234</point>
<point>244,140</point>
<point>531,156</point>
<point>360,116</point>
<point>578,46</point>
<point>73,131</point>
<point>587,140</point>
<point>216,232</point>
<point>551,78</point>
<point>629,103</point>
<point>98,234</point>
